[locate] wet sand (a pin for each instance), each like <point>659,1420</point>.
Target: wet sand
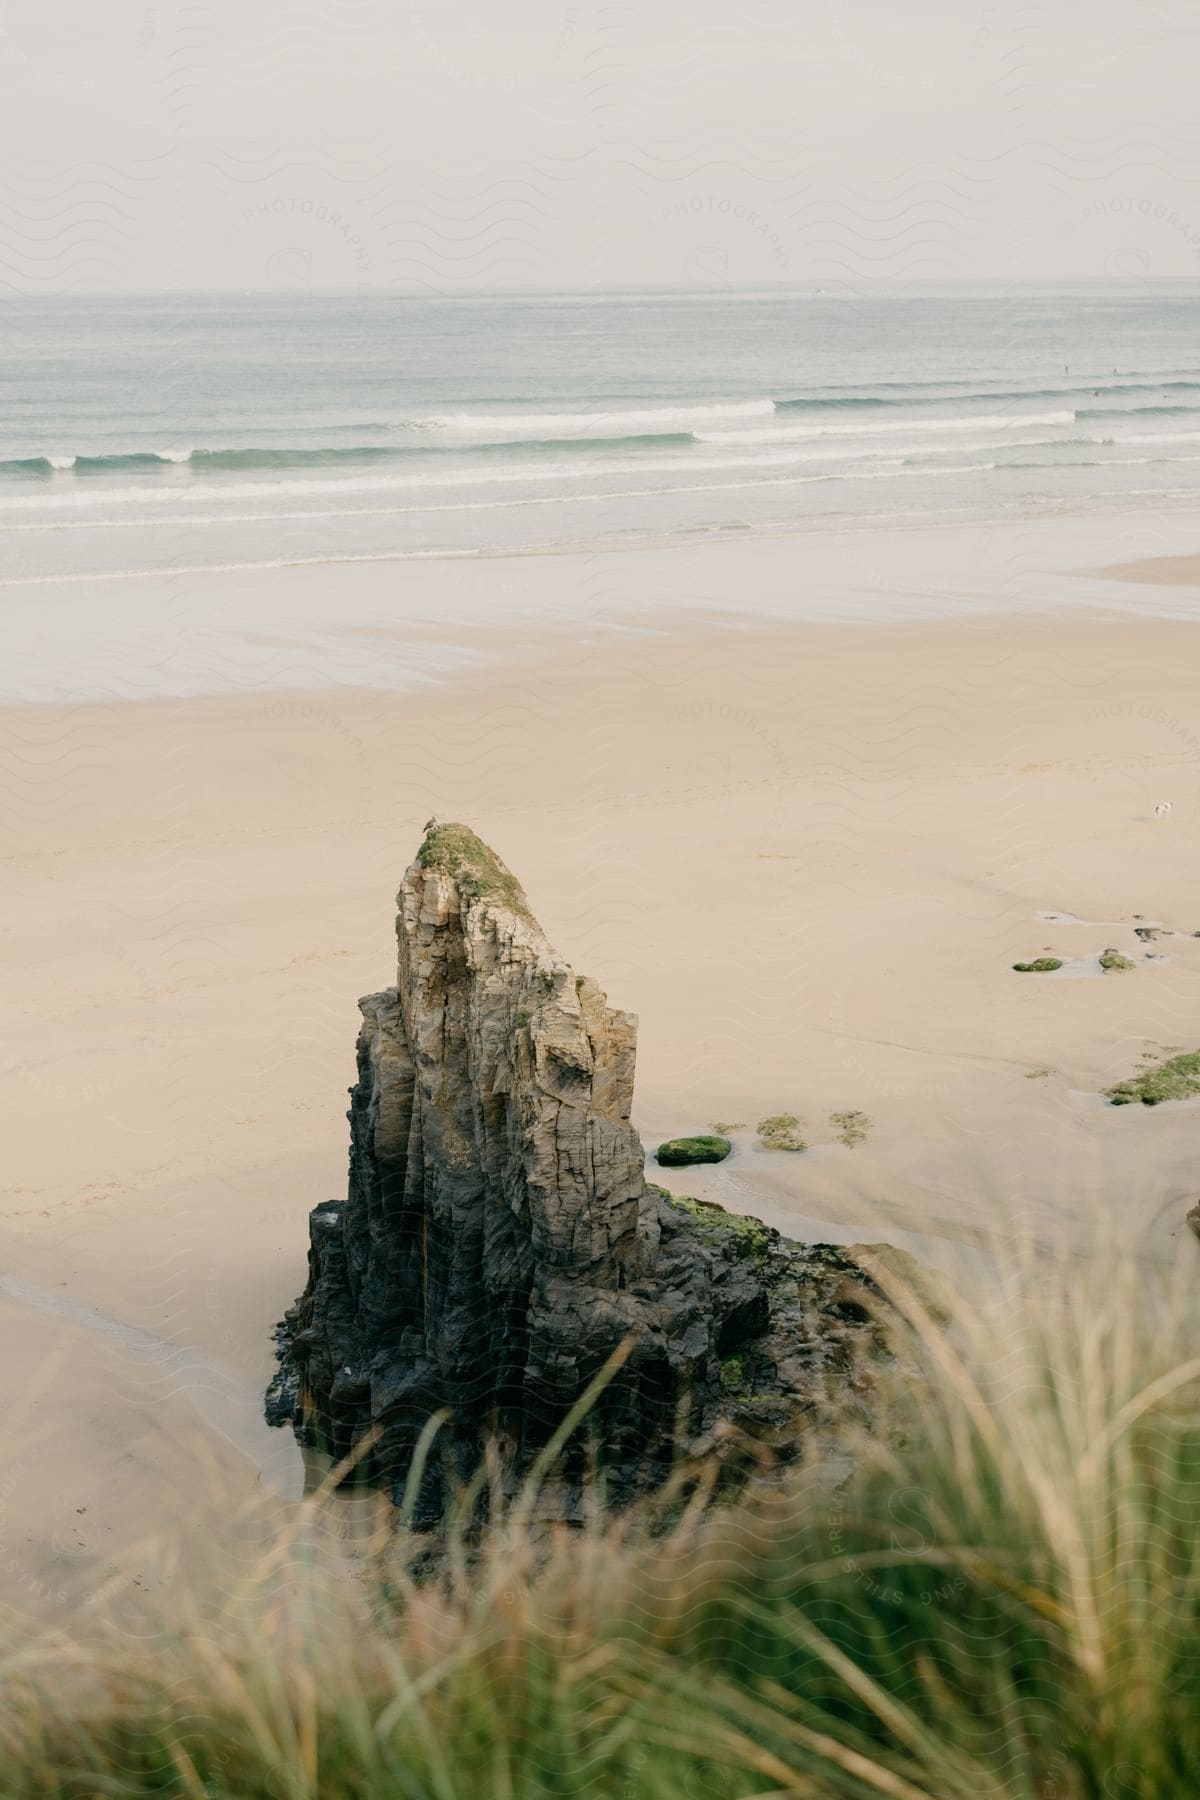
<point>1157,571</point>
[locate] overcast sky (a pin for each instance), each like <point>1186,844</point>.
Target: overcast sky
<point>450,144</point>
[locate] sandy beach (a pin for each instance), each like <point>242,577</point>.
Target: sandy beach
<point>806,854</point>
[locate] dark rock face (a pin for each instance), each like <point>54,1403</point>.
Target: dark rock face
<point>499,1241</point>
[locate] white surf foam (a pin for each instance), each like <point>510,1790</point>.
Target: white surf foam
<point>975,422</point>
<point>585,424</point>
<point>1158,437</point>
<point>207,493</point>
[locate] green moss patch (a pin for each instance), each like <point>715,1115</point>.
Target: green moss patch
<point>677,1153</point>
<point>1112,961</point>
<point>781,1131</point>
<point>852,1127</point>
<point>1177,1079</point>
<point>477,869</point>
<point>1041,965</point>
<point>717,1225</point>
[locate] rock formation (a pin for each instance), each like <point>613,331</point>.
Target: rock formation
<point>499,1240</point>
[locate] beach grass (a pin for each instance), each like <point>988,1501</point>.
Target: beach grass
<point>993,1595</point>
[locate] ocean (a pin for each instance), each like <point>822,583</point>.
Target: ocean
<point>143,435</point>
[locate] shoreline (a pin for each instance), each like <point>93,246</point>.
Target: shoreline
<point>1167,504</point>
<point>680,537</point>
<point>406,626</point>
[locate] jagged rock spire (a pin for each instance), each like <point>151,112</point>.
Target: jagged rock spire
<point>499,1239</point>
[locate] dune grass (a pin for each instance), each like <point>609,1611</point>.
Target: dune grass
<point>994,1596</point>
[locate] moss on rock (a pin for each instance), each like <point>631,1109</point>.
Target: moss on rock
<point>1177,1079</point>
<point>781,1131</point>
<point>1112,961</point>
<point>852,1127</point>
<point>750,1235</point>
<point>478,871</point>
<point>678,1153</point>
<point>1041,965</point>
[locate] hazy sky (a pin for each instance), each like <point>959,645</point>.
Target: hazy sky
<point>429,144</point>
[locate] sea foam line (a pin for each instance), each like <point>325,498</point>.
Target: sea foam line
<point>286,472</point>
<point>589,421</point>
<point>63,460</point>
<point>970,422</point>
<point>533,473</point>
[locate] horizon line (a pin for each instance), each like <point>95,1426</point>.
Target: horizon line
<point>812,287</point>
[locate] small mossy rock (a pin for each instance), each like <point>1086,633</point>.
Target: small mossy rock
<point>1112,962</point>
<point>1041,965</point>
<point>781,1131</point>
<point>678,1153</point>
<point>1193,1218</point>
<point>1178,1079</point>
